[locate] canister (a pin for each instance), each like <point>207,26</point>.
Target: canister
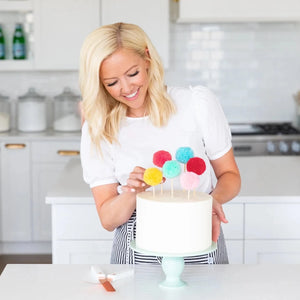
<point>4,113</point>
<point>66,111</point>
<point>31,112</point>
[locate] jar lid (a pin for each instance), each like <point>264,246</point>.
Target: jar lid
<point>67,95</point>
<point>32,95</point>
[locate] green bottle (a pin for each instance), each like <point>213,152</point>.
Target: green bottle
<point>2,44</point>
<point>19,49</point>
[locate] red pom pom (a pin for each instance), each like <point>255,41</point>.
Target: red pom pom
<point>196,165</point>
<point>160,157</point>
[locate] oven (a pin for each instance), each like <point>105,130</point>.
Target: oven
<point>265,139</point>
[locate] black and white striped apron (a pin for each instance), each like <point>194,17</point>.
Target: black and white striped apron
<point>123,254</point>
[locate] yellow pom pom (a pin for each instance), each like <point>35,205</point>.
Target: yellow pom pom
<point>153,176</point>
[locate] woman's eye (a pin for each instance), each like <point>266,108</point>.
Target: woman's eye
<point>134,74</point>
<point>111,84</point>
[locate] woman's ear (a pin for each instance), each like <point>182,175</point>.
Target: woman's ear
<point>147,53</point>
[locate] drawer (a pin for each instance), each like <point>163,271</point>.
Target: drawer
<point>77,222</point>
<point>272,221</point>
<point>234,213</point>
<point>54,151</point>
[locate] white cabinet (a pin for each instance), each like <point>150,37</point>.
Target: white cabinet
<point>48,160</point>
<point>234,232</point>
<point>15,192</point>
<point>28,169</point>
<point>272,252</point>
<point>60,28</point>
<point>78,236</point>
<point>152,16</point>
<point>238,11</point>
<point>272,233</point>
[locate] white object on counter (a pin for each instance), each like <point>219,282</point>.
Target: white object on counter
<point>70,122</point>
<point>32,116</point>
<point>4,122</point>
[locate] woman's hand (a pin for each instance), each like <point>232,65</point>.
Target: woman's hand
<point>135,182</point>
<point>218,216</point>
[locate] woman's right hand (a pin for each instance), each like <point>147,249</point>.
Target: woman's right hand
<point>135,181</point>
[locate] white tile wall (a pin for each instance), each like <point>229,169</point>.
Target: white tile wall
<point>253,68</point>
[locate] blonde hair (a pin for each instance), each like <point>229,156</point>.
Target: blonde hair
<point>102,112</point>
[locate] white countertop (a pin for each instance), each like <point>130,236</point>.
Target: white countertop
<point>232,282</point>
<point>262,181</point>
<point>49,134</point>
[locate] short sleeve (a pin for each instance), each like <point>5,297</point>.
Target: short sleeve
<point>98,169</point>
<point>213,123</point>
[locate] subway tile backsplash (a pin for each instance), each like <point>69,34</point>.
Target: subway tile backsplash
<point>254,68</point>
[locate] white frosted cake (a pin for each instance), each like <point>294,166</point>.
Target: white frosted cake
<point>175,225</point>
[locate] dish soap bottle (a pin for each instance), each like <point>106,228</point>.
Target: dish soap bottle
<point>2,44</point>
<point>19,49</point>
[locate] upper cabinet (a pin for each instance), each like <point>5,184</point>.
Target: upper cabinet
<point>54,31</point>
<point>60,28</point>
<point>152,16</point>
<point>237,10</point>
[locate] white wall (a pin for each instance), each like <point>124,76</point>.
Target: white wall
<point>253,68</point>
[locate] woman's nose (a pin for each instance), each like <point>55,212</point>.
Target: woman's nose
<point>125,86</point>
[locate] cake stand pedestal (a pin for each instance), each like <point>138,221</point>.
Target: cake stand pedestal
<point>172,264</point>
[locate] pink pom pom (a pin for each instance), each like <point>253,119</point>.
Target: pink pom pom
<point>189,180</point>
<point>160,157</point>
<point>196,165</point>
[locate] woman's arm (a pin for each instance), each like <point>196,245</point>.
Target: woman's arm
<point>227,187</point>
<point>115,209</point>
<point>228,178</point>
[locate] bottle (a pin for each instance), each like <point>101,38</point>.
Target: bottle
<point>2,44</point>
<point>19,50</point>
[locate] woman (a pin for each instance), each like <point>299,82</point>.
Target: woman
<point>129,115</point>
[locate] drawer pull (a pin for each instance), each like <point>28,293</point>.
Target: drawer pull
<point>15,146</point>
<point>68,152</point>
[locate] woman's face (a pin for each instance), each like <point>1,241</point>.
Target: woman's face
<point>124,75</point>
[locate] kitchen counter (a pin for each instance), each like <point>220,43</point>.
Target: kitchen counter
<point>262,182</point>
<point>230,282</point>
<point>15,135</point>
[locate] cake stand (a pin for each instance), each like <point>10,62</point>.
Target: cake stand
<point>172,264</point>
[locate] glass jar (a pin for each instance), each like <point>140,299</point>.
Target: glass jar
<point>4,113</point>
<point>66,112</point>
<point>32,112</point>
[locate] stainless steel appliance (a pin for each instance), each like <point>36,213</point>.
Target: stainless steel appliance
<point>265,139</point>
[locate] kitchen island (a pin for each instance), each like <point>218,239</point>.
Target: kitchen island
<point>232,282</point>
<point>263,219</point>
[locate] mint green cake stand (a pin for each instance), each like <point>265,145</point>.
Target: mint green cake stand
<point>172,264</point>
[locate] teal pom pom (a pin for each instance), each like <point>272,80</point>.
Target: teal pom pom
<point>183,154</point>
<point>171,169</point>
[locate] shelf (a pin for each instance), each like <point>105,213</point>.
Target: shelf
<point>25,5</point>
<point>16,65</point>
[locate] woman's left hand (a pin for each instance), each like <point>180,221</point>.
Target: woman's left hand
<point>218,216</point>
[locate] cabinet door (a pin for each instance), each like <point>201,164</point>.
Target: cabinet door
<point>82,252</point>
<point>15,192</point>
<point>47,165</point>
<point>236,10</point>
<point>44,175</point>
<point>60,28</point>
<point>152,16</point>
<point>272,252</point>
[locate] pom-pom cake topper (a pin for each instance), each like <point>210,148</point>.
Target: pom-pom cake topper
<point>189,179</point>
<point>160,157</point>
<point>183,154</point>
<point>196,165</point>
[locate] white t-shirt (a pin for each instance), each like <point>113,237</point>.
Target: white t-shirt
<point>199,123</point>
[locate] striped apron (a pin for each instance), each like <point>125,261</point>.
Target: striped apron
<point>123,254</point>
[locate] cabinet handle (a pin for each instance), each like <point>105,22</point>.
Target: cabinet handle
<point>15,146</point>
<point>68,152</point>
